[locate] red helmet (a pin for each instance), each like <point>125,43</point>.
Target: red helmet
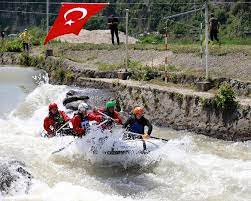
<point>53,105</point>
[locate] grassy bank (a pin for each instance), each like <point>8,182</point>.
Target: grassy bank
<point>214,49</point>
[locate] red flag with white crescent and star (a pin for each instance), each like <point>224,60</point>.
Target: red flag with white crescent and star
<point>72,17</point>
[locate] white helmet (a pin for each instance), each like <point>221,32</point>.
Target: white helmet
<point>83,107</point>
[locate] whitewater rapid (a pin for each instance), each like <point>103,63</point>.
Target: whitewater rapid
<point>189,167</point>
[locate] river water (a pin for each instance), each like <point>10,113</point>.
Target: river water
<point>189,167</point>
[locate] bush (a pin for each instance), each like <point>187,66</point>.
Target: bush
<point>226,98</point>
<point>151,38</point>
<point>63,76</point>
<point>24,59</point>
<point>150,74</point>
<point>11,45</point>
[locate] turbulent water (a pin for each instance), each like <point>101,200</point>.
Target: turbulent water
<point>187,168</point>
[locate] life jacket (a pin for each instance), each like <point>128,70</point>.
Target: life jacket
<point>58,118</point>
<point>25,37</point>
<point>136,127</point>
<point>85,123</point>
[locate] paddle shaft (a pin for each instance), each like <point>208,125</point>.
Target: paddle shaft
<point>137,134</point>
<point>105,115</point>
<point>62,126</point>
<point>102,123</point>
<point>61,149</point>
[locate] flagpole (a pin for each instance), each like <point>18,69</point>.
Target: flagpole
<point>127,14</point>
<point>49,52</point>
<point>47,15</point>
<point>206,33</point>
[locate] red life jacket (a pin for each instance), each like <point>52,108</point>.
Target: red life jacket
<point>50,122</point>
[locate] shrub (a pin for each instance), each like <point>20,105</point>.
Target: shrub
<point>11,45</point>
<point>150,74</point>
<point>151,38</point>
<point>226,98</point>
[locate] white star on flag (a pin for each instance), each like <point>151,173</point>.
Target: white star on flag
<point>69,22</point>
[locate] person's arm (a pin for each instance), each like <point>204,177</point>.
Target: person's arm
<point>149,125</point>
<point>109,22</point>
<point>218,24</point>
<point>21,36</point>
<point>210,24</point>
<point>117,118</point>
<point>127,123</point>
<point>95,117</point>
<point>76,123</point>
<point>65,116</point>
<point>47,125</point>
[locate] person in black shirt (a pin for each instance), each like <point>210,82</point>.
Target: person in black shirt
<point>113,26</point>
<point>137,122</point>
<point>214,28</point>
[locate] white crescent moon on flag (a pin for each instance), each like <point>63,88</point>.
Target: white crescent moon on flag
<point>82,10</point>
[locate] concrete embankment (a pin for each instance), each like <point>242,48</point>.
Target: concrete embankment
<point>178,108</point>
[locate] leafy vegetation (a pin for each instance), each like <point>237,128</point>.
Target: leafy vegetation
<point>11,45</point>
<point>226,98</point>
<point>15,44</point>
<point>63,76</point>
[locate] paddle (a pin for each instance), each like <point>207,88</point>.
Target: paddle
<point>137,134</point>
<point>105,115</point>
<point>61,149</point>
<point>62,126</point>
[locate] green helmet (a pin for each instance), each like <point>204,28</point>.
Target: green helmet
<point>110,104</point>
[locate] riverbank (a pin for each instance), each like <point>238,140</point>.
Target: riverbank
<point>177,106</point>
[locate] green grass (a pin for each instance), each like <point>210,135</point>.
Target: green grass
<point>132,65</point>
<point>214,49</point>
<point>170,68</point>
<point>138,70</point>
<point>62,46</point>
<point>108,67</point>
<point>236,41</point>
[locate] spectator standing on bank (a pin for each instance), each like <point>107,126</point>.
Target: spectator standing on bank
<point>113,26</point>
<point>213,28</point>
<point>25,37</point>
<point>2,35</point>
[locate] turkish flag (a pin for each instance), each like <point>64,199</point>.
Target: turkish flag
<point>72,17</point>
